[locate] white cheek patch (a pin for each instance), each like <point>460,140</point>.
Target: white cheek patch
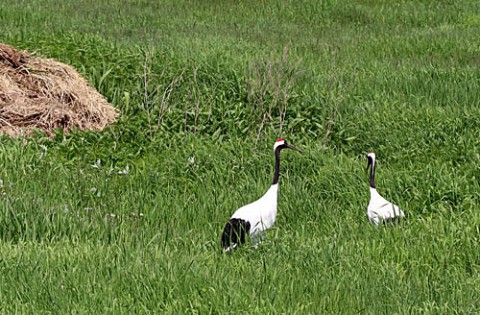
<point>278,143</point>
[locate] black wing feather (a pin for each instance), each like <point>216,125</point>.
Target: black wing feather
<point>235,233</point>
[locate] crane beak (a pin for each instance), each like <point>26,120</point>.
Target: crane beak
<point>293,148</point>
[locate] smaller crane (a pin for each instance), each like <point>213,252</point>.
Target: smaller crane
<point>379,209</point>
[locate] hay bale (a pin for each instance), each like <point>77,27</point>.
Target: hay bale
<point>39,93</point>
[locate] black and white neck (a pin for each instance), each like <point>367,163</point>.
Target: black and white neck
<point>277,148</point>
<point>276,173</point>
<point>371,164</point>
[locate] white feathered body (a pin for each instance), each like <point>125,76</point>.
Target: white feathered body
<point>261,214</point>
<point>379,209</point>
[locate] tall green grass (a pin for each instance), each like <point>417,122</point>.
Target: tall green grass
<point>129,219</point>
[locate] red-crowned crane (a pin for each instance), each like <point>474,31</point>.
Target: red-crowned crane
<point>379,209</point>
<point>258,216</point>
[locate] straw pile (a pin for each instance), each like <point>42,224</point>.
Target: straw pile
<point>43,94</point>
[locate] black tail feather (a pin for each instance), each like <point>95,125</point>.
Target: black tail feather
<point>395,220</point>
<point>234,233</point>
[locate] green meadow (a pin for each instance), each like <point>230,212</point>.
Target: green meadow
<point>128,220</point>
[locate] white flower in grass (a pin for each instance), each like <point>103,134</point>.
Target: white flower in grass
<point>134,216</point>
<point>97,164</point>
<point>125,171</point>
<point>44,152</point>
<point>191,159</point>
<point>94,190</point>
<point>2,188</point>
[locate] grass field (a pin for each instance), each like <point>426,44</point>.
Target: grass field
<point>129,220</point>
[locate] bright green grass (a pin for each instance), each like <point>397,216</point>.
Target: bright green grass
<point>80,236</point>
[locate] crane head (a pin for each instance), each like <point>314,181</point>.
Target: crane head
<point>282,144</point>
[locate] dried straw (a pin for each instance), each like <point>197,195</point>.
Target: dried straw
<point>39,93</point>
